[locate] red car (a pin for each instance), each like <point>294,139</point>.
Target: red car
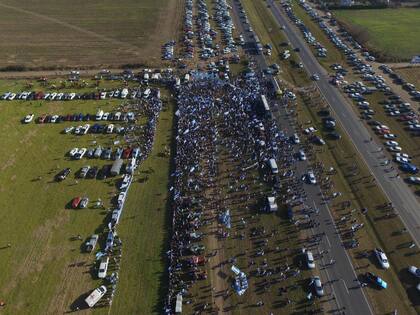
<point>75,202</point>
<point>126,153</point>
<point>41,119</point>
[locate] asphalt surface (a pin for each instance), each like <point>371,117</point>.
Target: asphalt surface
<point>339,278</point>
<point>398,192</point>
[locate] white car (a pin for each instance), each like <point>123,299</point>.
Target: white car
<point>404,155</point>
<point>395,149</point>
<point>382,259</point>
<point>54,118</point>
<point>68,129</point>
<point>319,289</point>
<point>125,181</point>
<point>78,130</point>
<point>390,136</point>
<point>309,130</point>
<point>414,180</point>
<point>117,116</point>
<point>310,177</point>
<point>85,129</point>
<point>105,116</point>
<point>103,267</point>
<point>121,199</point>
<point>73,152</point>
<point>80,153</point>
<point>295,139</point>
<point>110,128</point>
<point>391,143</point>
<point>402,160</point>
<point>414,271</point>
<point>28,118</point>
<point>310,260</point>
<point>302,155</point>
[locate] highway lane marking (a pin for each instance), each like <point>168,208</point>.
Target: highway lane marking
<point>345,286</point>
<point>328,241</point>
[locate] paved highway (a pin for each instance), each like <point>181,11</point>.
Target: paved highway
<point>396,190</point>
<point>339,278</point>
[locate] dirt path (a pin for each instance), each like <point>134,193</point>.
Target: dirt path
<point>218,270</point>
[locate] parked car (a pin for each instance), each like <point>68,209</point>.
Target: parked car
<point>80,153</point>
<point>414,271</point>
<point>371,277</point>
<point>73,152</point>
<point>91,243</point>
<point>28,118</point>
<point>414,180</point>
<point>295,139</point>
<point>106,154</point>
<point>103,267</point>
<point>98,152</point>
<point>319,289</point>
<point>310,259</point>
<point>126,153</point>
<point>63,174</point>
<point>310,178</point>
<point>83,171</point>
<point>103,172</point>
<point>92,172</point>
<point>302,155</point>
<point>117,154</point>
<point>84,202</point>
<point>382,259</point>
<point>90,152</point>
<point>75,202</point>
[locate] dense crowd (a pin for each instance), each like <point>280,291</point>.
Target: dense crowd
<point>215,116</point>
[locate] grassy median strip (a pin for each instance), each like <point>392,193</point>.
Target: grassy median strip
<point>333,54</point>
<point>269,31</point>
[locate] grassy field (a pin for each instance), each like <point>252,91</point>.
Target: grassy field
<point>44,270</point>
<point>59,33</point>
<point>394,32</point>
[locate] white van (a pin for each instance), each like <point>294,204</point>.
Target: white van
<point>103,268</point>
<point>95,296</point>
<point>273,166</point>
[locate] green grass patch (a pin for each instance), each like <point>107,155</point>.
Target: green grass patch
<point>392,32</point>
<point>45,271</point>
